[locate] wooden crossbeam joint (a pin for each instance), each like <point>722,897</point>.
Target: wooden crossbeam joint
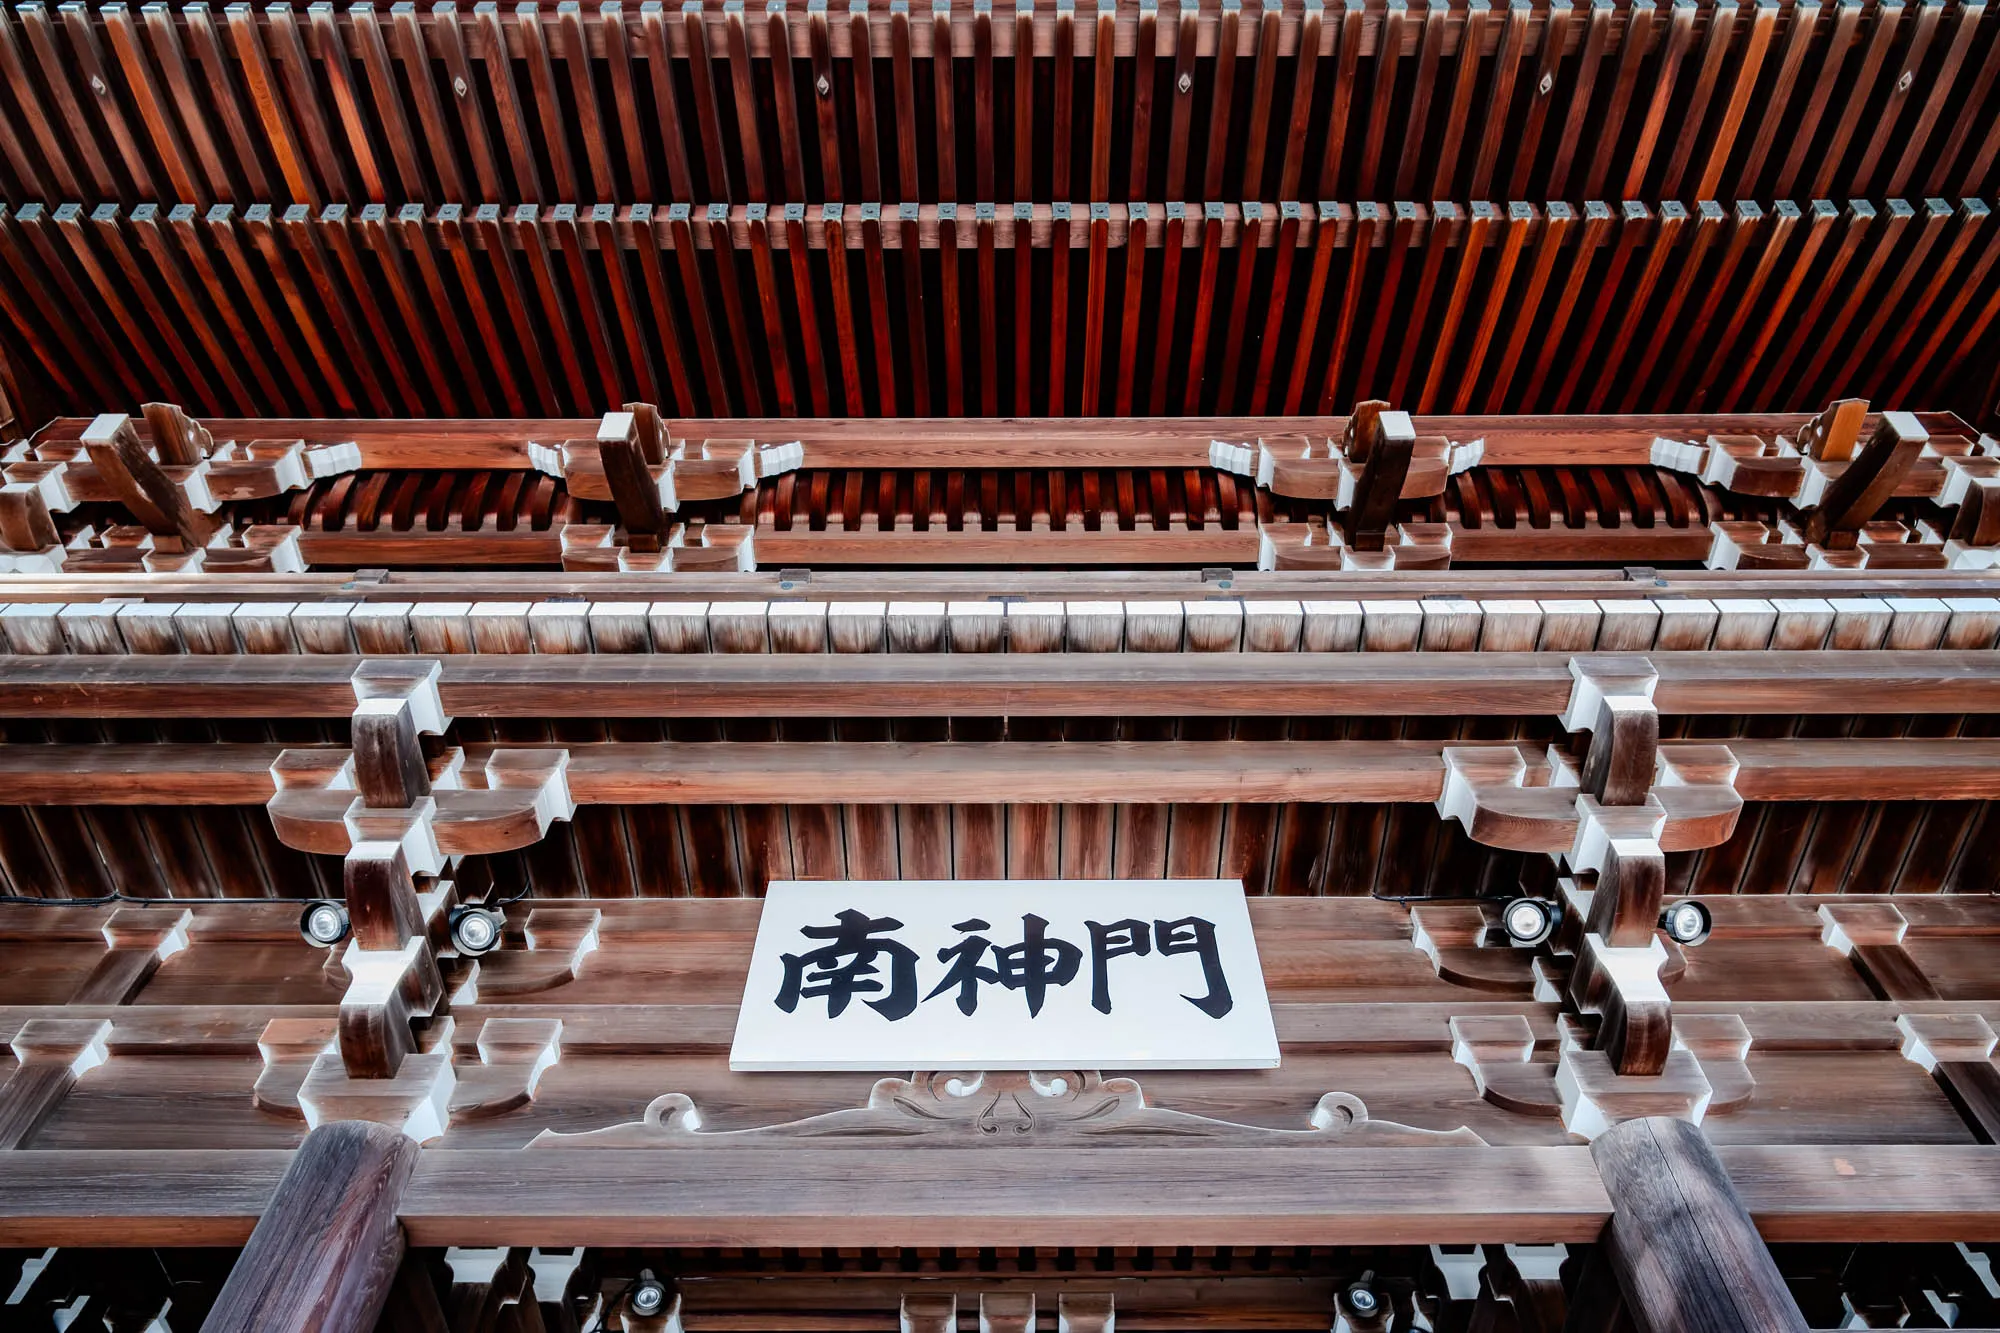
<point>1386,441</point>
<point>154,498</point>
<point>1852,498</point>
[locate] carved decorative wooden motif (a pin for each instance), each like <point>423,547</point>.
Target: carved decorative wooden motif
<point>1069,1109</point>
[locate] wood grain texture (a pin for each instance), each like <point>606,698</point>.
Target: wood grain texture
<point>324,1254</point>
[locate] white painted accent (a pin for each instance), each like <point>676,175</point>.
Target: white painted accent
<point>1227,456</point>
<point>776,459</point>
<point>332,460</point>
<point>1679,455</point>
<point>426,704</point>
<point>1586,692</point>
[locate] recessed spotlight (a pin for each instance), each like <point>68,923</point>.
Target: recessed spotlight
<point>1687,923</point>
<point>324,923</point>
<point>1528,920</point>
<point>475,930</point>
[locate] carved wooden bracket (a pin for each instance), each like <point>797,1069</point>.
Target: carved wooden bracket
<point>559,939</point>
<point>170,481</point>
<point>1306,467</point>
<point>141,938</point>
<point>1504,800</point>
<point>1498,1050</point>
<point>51,1054</point>
<point>1836,489</point>
<point>1065,1109</point>
<point>508,804</point>
<point>1870,935</point>
<point>1317,544</point>
<point>1595,1096</point>
<point>1454,937</point>
<point>514,1053</point>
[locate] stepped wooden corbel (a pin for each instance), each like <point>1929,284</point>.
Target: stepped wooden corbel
<point>328,801</point>
<point>1379,463</point>
<point>1459,939</point>
<point>1835,508</point>
<point>51,1054</point>
<point>514,1053</point>
<point>1498,1050</point>
<point>29,541</point>
<point>378,1069</point>
<point>558,940</point>
<point>172,505</point>
<point>1871,935</point>
<point>636,464</point>
<point>1958,1051</point>
<point>140,939</point>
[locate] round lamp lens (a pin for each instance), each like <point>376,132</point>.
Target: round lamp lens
<point>1527,920</point>
<point>1686,923</point>
<point>323,924</point>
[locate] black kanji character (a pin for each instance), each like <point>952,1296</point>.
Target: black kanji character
<point>1036,963</point>
<point>846,966</point>
<point>1107,942</point>
<point>1192,934</point>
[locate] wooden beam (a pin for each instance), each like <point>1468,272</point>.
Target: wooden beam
<point>990,685</point>
<point>974,1197</point>
<point>1173,442</point>
<point>1686,1254</point>
<point>886,772</point>
<point>325,1253</point>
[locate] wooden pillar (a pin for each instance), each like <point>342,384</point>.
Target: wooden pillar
<point>1685,1253</point>
<point>326,1251</point>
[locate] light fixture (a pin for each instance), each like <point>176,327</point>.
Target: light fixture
<point>1687,923</point>
<point>323,924</point>
<point>1362,1300</point>
<point>649,1295</point>
<point>475,930</point>
<point>1528,921</point>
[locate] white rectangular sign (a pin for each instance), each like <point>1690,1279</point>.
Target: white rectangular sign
<point>893,976</point>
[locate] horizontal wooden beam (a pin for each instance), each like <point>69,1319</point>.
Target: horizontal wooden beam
<point>973,1197</point>
<point>1055,442</point>
<point>993,685</point>
<point>889,772</point>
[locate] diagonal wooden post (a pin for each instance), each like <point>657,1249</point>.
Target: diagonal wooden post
<point>324,1255</point>
<point>1685,1253</point>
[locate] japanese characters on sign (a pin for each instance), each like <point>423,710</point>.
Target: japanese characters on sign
<point>1005,974</point>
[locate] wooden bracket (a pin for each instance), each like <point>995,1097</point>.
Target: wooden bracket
<point>415,1100</point>
<point>1850,499</point>
<point>1595,1096</point>
<point>1498,1050</point>
<point>514,1053</point>
<point>52,1054</point>
<point>414,681</point>
<point>1622,987</point>
<point>386,989</point>
<point>171,506</point>
<point>558,938</point>
<point>1871,936</point>
<point>1454,937</point>
<point>1957,1050</point>
<point>140,939</point>
<point>1720,1043</point>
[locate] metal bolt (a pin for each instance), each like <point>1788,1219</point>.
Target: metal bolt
<point>1186,84</point>
<point>825,86</point>
<point>458,85</point>
<point>1548,82</point>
